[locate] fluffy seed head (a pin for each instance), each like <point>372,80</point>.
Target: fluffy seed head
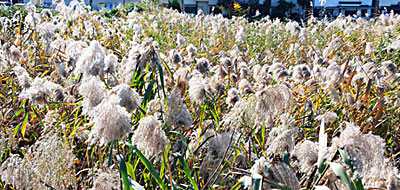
<point>93,91</point>
<point>202,65</point>
<point>91,62</point>
<point>111,121</point>
<point>178,114</point>
<point>149,137</point>
<point>232,97</point>
<point>197,91</point>
<point>301,72</point>
<point>42,91</point>
<point>23,77</point>
<point>128,98</point>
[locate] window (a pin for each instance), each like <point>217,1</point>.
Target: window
<point>350,2</point>
<point>350,12</point>
<point>190,9</point>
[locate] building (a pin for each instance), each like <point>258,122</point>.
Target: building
<point>107,4</point>
<point>389,5</point>
<point>332,8</point>
<point>192,6</point>
<point>96,4</point>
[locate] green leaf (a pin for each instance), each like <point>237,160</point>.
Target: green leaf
<point>149,166</point>
<point>134,169</point>
<point>263,135</point>
<point>183,139</point>
<point>358,183</point>
<point>75,128</point>
<point>237,186</point>
<point>277,184</point>
<point>160,71</point>
<point>339,171</point>
<point>169,70</point>
<point>346,158</point>
<point>18,113</point>
<point>257,182</point>
<point>110,155</point>
<point>17,129</point>
<point>37,115</point>
<point>215,116</point>
<point>286,158</point>
<point>23,103</point>
<point>147,94</point>
<point>187,170</point>
<point>129,168</point>
<point>124,174</point>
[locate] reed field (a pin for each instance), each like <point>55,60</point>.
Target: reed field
<point>144,97</point>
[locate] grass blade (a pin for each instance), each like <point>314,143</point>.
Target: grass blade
<point>339,171</point>
<point>24,124</point>
<point>148,94</point>
<point>17,114</point>
<point>257,182</point>
<point>277,184</point>
<point>187,170</point>
<point>160,70</point>
<point>129,169</point>
<point>149,166</point>
<point>124,173</point>
<point>135,185</point>
<point>346,158</point>
<point>358,183</point>
<point>183,139</point>
<point>110,155</point>
<point>37,115</point>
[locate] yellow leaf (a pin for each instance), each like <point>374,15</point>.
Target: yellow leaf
<point>237,6</point>
<point>24,124</point>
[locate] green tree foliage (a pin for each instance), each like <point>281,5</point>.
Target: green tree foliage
<point>265,7</point>
<point>284,7</point>
<point>248,8</point>
<point>227,6</point>
<point>175,4</point>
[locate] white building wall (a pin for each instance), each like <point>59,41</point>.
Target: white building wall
<point>99,4</point>
<point>335,3</point>
<point>213,2</point>
<point>96,4</point>
<point>387,3</point>
<point>193,2</point>
<point>189,2</point>
<point>198,4</point>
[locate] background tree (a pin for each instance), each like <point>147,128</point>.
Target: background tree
<point>226,6</point>
<point>265,7</point>
<point>253,6</point>
<point>284,7</point>
<point>248,8</point>
<point>175,4</point>
<point>306,5</point>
